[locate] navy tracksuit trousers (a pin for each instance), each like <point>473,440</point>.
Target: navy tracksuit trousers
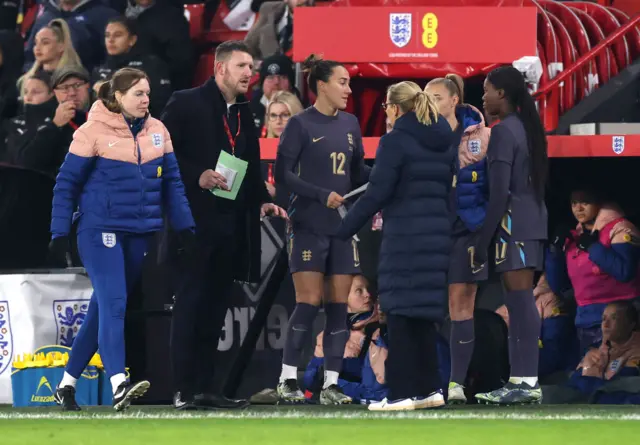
<point>114,264</point>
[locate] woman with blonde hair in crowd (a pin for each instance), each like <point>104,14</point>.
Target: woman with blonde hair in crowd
<point>410,183</point>
<point>281,107</point>
<point>53,49</point>
<point>469,199</point>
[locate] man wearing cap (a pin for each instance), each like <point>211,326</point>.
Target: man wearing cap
<point>276,74</point>
<point>70,84</point>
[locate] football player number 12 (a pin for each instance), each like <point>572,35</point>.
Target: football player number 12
<point>430,30</point>
<point>338,159</point>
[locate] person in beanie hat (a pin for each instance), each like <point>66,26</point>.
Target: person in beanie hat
<point>276,74</point>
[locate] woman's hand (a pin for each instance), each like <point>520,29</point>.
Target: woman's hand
<point>334,201</point>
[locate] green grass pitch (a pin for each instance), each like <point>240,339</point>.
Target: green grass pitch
<point>469,425</point>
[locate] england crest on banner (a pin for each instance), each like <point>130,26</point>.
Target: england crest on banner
<point>400,29</point>
<point>6,340</point>
<point>69,315</point>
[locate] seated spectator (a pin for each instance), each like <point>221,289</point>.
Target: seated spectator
<point>53,49</point>
<point>37,139</point>
<point>86,19</point>
<point>9,15</point>
<point>163,31</point>
<point>618,356</point>
<point>120,39</point>
<point>273,32</point>
<point>282,106</point>
<point>559,350</point>
<point>276,74</point>
<point>599,260</point>
<point>11,61</point>
<point>71,84</point>
<point>362,376</point>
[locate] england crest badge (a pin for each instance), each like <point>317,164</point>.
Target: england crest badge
<point>400,29</point>
<point>109,239</point>
<point>157,140</point>
<point>69,316</point>
<point>6,340</point>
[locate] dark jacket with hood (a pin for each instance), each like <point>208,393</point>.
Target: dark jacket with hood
<point>163,31</point>
<point>195,120</point>
<point>11,47</point>
<point>410,183</point>
<point>156,69</point>
<point>87,22</point>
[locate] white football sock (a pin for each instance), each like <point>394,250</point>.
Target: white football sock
<point>288,372</point>
<point>330,378</point>
<point>116,381</point>
<point>515,380</point>
<point>531,381</point>
<point>68,380</point>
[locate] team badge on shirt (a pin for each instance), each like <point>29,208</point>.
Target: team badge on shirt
<point>474,146</point>
<point>109,239</point>
<point>157,140</point>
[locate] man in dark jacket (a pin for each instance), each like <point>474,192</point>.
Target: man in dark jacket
<point>87,20</point>
<point>163,31</point>
<point>204,121</point>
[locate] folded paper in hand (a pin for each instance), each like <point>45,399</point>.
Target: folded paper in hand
<point>228,173</point>
<point>234,170</point>
<point>342,210</point>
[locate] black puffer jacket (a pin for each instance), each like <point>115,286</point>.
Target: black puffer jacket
<point>156,69</point>
<point>34,142</point>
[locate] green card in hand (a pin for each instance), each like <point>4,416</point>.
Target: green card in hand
<point>234,171</point>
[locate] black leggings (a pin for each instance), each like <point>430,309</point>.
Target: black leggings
<point>411,368</point>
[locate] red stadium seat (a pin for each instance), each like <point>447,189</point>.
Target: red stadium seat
<point>569,57</point>
<point>609,23</point>
<point>580,39</point>
<point>633,38</point>
<point>605,62</point>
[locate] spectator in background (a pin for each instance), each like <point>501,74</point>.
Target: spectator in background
<point>71,88</point>
<point>163,31</point>
<point>273,32</point>
<point>276,74</point>
<point>38,139</point>
<point>11,62</point>
<point>120,40</point>
<point>282,106</point>
<point>9,15</point>
<point>618,356</point>
<point>87,20</point>
<point>559,349</point>
<point>362,375</point>
<point>414,160</point>
<point>598,259</point>
<point>53,49</point>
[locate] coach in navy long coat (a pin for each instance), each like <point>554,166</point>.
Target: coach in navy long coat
<point>410,183</point>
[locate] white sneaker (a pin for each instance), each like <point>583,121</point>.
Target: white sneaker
<point>434,400</point>
<point>456,394</point>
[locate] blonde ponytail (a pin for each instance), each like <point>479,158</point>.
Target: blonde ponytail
<point>410,97</point>
<point>69,55</point>
<point>425,108</point>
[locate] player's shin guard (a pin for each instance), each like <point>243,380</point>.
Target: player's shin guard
<point>336,334</point>
<point>298,332</point>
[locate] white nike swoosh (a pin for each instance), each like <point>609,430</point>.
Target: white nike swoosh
<point>337,332</point>
<point>465,342</point>
<point>111,144</point>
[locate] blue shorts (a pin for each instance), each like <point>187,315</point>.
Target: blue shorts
<point>460,270</point>
<point>312,252</point>
<point>515,255</point>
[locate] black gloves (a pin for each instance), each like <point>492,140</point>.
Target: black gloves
<point>60,252</point>
<point>560,236</point>
<point>586,239</point>
<point>186,242</point>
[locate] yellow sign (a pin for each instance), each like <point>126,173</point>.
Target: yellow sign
<point>37,397</point>
<point>430,27</point>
